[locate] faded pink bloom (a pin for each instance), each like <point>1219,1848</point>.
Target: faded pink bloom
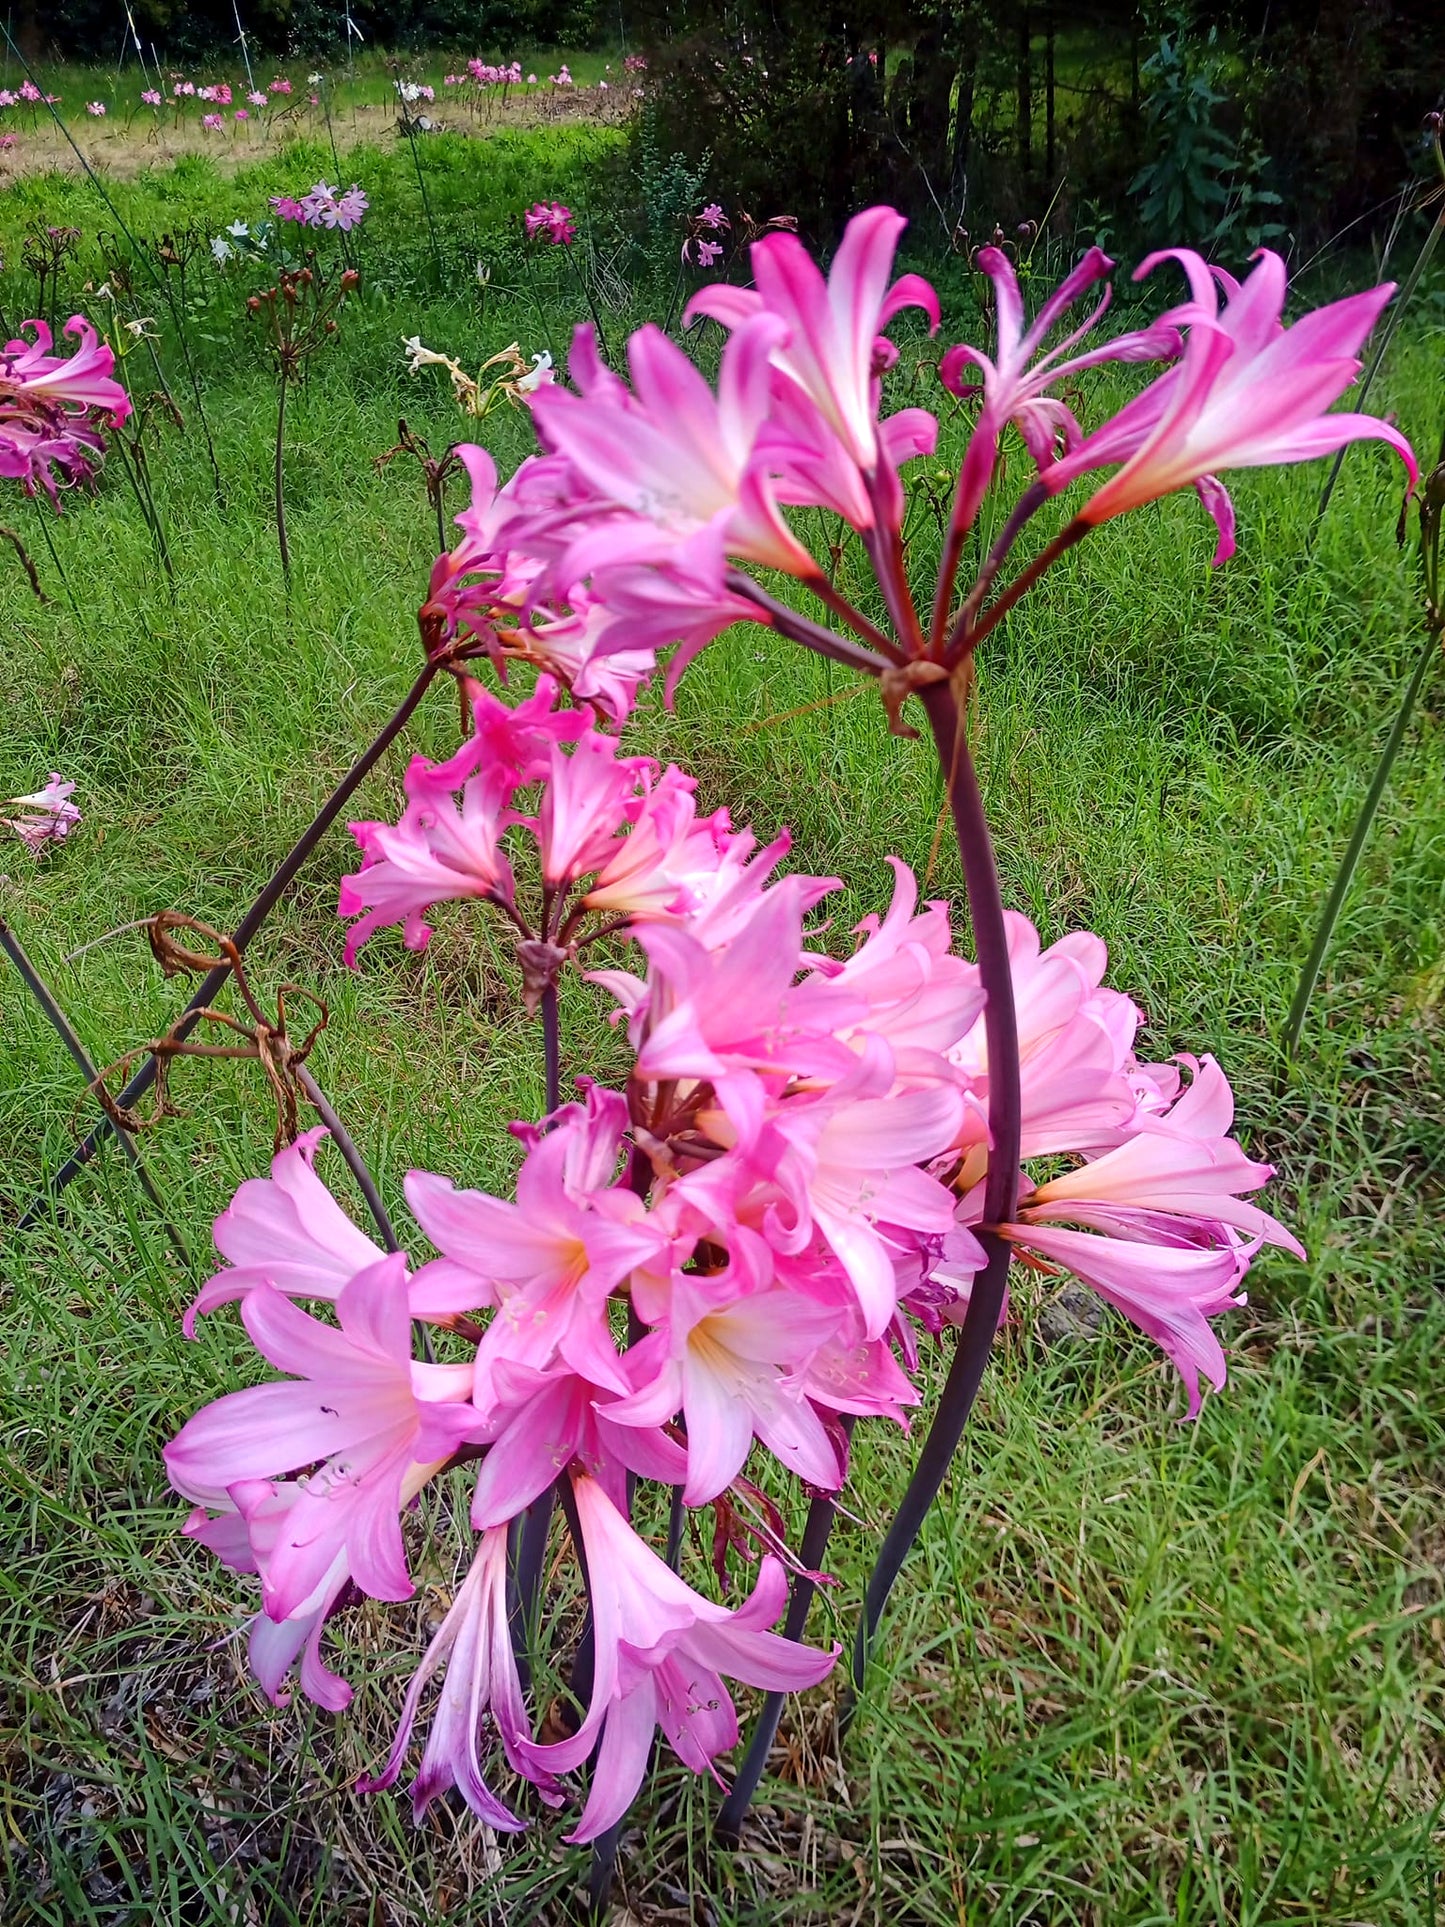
<point>258,99</point>
<point>279,86</point>
<point>661,1653</point>
<point>481,1682</point>
<point>151,96</point>
<point>48,815</point>
<point>212,121</point>
<point>96,107</point>
<point>1248,393</point>
<point>241,114</point>
<point>28,90</point>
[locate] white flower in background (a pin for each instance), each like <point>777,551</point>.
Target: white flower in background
<point>541,373</point>
<point>222,249</point>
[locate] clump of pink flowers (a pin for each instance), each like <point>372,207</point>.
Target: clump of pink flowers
<point>55,409</point>
<point>828,1158</point>
<point>552,219</point>
<point>46,817</point>
<point>323,207</point>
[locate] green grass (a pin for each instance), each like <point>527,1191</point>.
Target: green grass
<point>1137,1671</point>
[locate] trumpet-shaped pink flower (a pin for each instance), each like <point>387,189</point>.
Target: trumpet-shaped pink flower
<point>734,1367</point>
<point>481,1682</point>
<point>1170,1291</point>
<point>661,1654</point>
<point>285,1231</point>
<point>357,1402</point>
<point>669,461</point>
<point>549,1261</point>
<point>1249,393</point>
<point>1178,1170</point>
<point>31,374</point>
<point>1017,377</point>
<point>242,1535</point>
<point>831,349</point>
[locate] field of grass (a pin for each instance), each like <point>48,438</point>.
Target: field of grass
<point>1137,1671</point>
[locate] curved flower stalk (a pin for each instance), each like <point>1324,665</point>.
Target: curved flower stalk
<point>821,1162</point>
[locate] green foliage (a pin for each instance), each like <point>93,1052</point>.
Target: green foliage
<point>1137,1672</point>
<point>1202,184</point>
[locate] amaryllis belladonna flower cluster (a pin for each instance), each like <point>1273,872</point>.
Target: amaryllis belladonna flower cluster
<point>826,1150</point>
<point>323,207</point>
<point>550,219</point>
<point>55,408</point>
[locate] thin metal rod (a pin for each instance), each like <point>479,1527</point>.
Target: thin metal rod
<point>210,985</point>
<point>345,1144</point>
<point>61,1024</point>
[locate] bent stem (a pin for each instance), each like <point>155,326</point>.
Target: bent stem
<point>210,986</point>
<point>1334,904</point>
<point>1001,1183</point>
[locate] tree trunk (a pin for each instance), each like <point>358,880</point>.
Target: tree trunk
<point>1025,95</point>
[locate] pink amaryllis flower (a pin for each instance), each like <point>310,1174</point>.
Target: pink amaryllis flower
<point>358,1403</point>
<point>830,351</point>
<point>552,219</point>
<point>1015,380</point>
<point>549,1261</point>
<point>662,1652</point>
<point>734,1366</point>
<point>481,1689</point>
<point>46,816</point>
<point>668,467</point>
<point>31,374</point>
<point>285,1231</point>
<point>1248,393</point>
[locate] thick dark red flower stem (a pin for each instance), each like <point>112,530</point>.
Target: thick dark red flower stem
<point>975,1339</point>
<point>210,986</point>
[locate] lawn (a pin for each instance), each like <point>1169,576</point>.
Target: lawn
<point>1138,1670</point>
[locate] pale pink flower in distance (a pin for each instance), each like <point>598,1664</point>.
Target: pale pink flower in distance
<point>8,140</point>
<point>258,99</point>
<point>1248,393</point>
<point>28,90</point>
<point>7,99</point>
<point>661,1653</point>
<point>212,121</point>
<point>708,253</point>
<point>48,816</point>
<point>280,86</point>
<point>355,1400</point>
<point>241,114</point>
<point>830,351</point>
<point>96,107</point>
<point>151,96</point>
